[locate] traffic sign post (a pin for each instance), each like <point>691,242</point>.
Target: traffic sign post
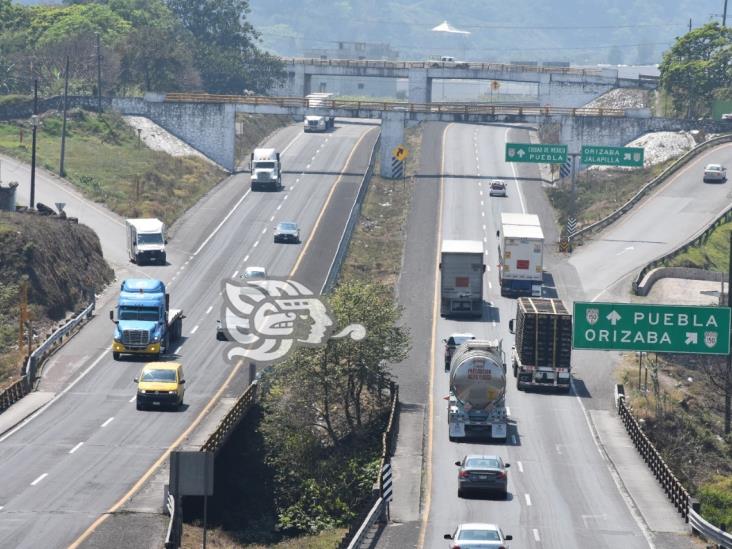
<point>542,153</point>
<point>654,328</point>
<point>612,156</point>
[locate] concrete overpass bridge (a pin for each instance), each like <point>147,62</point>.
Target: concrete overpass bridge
<point>207,122</point>
<point>557,86</point>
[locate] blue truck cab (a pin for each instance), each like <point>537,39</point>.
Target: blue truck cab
<point>145,323</point>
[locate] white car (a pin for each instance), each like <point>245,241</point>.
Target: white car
<point>715,172</point>
<point>727,116</point>
<point>254,273</point>
<point>497,188</point>
<point>478,535</point>
<point>287,231</point>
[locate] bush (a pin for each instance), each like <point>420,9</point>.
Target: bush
<point>716,501</point>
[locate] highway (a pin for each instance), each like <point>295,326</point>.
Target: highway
<point>74,459</point>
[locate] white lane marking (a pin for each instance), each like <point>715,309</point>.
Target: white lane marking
<point>485,239</point>
<point>481,193</point>
<point>39,479</point>
<point>195,329</point>
<point>110,420</point>
<point>508,411</point>
<point>187,262</point>
<point>481,205</point>
<point>489,284</point>
<point>312,160</point>
<point>264,230</point>
<point>256,244</point>
<point>520,466</point>
<point>172,279</point>
<point>628,249</point>
<point>307,167</point>
<point>178,349</point>
<point>286,197</point>
<point>271,219</point>
<point>484,227</point>
<point>133,398</point>
<point>181,268</point>
<point>210,308</point>
<point>235,273</point>
<point>75,448</point>
<point>559,449</point>
<point>227,216</point>
<point>536,535</point>
<point>43,408</point>
<point>279,206</point>
<point>482,214</point>
<point>1,507</point>
<point>634,512</point>
<point>245,260</point>
<point>487,267</point>
<point>297,180</point>
<point>528,500</point>
<point>515,177</point>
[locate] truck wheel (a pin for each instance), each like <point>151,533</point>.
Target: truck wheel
<point>164,259</point>
<point>519,386</point>
<point>515,370</point>
<point>115,355</point>
<point>139,406</point>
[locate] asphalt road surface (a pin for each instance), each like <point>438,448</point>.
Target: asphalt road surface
<point>71,461</point>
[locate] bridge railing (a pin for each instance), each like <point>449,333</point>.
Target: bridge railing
<point>386,106</point>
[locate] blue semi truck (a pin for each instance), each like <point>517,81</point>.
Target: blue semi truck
<point>145,325</point>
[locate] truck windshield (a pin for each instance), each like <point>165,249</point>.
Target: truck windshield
<point>264,165</point>
<point>150,238</point>
<point>138,313</point>
<point>158,375</point>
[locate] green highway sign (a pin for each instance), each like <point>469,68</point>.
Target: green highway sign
<point>655,328</point>
<point>612,156</point>
<point>526,152</point>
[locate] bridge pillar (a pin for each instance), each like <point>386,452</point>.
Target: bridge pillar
<point>392,135</point>
<point>418,86</point>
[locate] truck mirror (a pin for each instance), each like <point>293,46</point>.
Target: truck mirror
<point>498,233</point>
<point>483,268</point>
<point>166,240</point>
<point>447,536</point>
<point>458,463</point>
<point>510,325</point>
<point>182,381</point>
<point>507,465</point>
<point>136,380</point>
<point>508,537</point>
<point>440,266</point>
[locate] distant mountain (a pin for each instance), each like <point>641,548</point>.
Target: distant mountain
<point>581,31</point>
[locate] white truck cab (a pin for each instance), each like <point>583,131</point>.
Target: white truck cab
<point>146,241</point>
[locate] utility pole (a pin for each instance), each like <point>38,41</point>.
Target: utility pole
<point>724,15</point>
<point>61,171</point>
<point>34,122</point>
<point>99,75</point>
<point>689,24</point>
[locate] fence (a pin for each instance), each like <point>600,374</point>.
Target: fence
<point>671,485</point>
<point>639,288</point>
<point>172,536</point>
<point>672,169</point>
<point>375,506</point>
<point>340,256</point>
<point>231,420</point>
<point>24,385</point>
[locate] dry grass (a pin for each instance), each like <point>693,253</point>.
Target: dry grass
<point>219,539</point>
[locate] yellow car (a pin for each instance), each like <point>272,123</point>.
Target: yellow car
<point>160,384</point>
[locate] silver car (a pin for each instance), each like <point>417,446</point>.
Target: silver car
<point>715,172</point>
<point>497,188</point>
<point>478,535</point>
<point>482,474</point>
<point>287,231</point>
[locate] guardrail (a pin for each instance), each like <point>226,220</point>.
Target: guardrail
<point>231,420</point>
<point>674,490</point>
<point>696,240</point>
<point>437,108</point>
<point>353,216</point>
<point>172,539</point>
<point>24,385</point>
<point>376,506</point>
<point>673,168</point>
<point>688,507</point>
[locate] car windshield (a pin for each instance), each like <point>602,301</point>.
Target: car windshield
<point>254,274</point>
<point>264,165</point>
<point>138,313</point>
<point>479,535</point>
<point>158,375</point>
<point>714,168</point>
<point>496,185</point>
<point>154,238</point>
<point>287,226</point>
<point>483,463</point>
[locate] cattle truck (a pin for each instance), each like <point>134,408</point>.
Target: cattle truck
<point>266,170</point>
<point>541,356</point>
<point>462,265</point>
<point>521,255</point>
<point>145,325</point>
<point>477,400</point>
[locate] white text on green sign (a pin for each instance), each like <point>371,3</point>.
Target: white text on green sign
<point>612,156</point>
<point>654,328</point>
<point>526,152</point>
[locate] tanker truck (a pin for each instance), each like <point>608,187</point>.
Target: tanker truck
<point>477,400</point>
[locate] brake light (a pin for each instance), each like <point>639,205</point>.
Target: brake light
<point>501,475</point>
<point>464,474</point>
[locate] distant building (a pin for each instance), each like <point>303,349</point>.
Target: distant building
<point>354,50</point>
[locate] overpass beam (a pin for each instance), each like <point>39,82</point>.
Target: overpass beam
<point>392,135</point>
<point>418,86</point>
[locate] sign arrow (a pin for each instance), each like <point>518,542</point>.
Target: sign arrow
<point>613,317</point>
<point>520,153</point>
<point>692,338</point>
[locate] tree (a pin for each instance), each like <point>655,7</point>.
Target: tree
<point>698,64</point>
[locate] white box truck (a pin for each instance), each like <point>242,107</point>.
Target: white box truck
<point>266,170</point>
<point>521,255</point>
<point>146,241</point>
<point>462,265</point>
<point>316,122</point>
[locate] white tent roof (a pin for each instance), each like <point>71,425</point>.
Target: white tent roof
<point>447,27</point>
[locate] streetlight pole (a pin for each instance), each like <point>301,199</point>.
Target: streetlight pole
<point>34,122</point>
<point>99,75</point>
<point>724,15</point>
<point>61,170</point>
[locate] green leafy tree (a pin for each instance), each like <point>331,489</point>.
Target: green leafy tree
<point>698,67</point>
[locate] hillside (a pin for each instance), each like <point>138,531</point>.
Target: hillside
<point>624,31</point>
<point>64,264</point>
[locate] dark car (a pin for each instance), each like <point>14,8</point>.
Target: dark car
<point>287,231</point>
<point>482,474</point>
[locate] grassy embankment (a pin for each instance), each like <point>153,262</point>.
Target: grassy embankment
<point>375,254</point>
